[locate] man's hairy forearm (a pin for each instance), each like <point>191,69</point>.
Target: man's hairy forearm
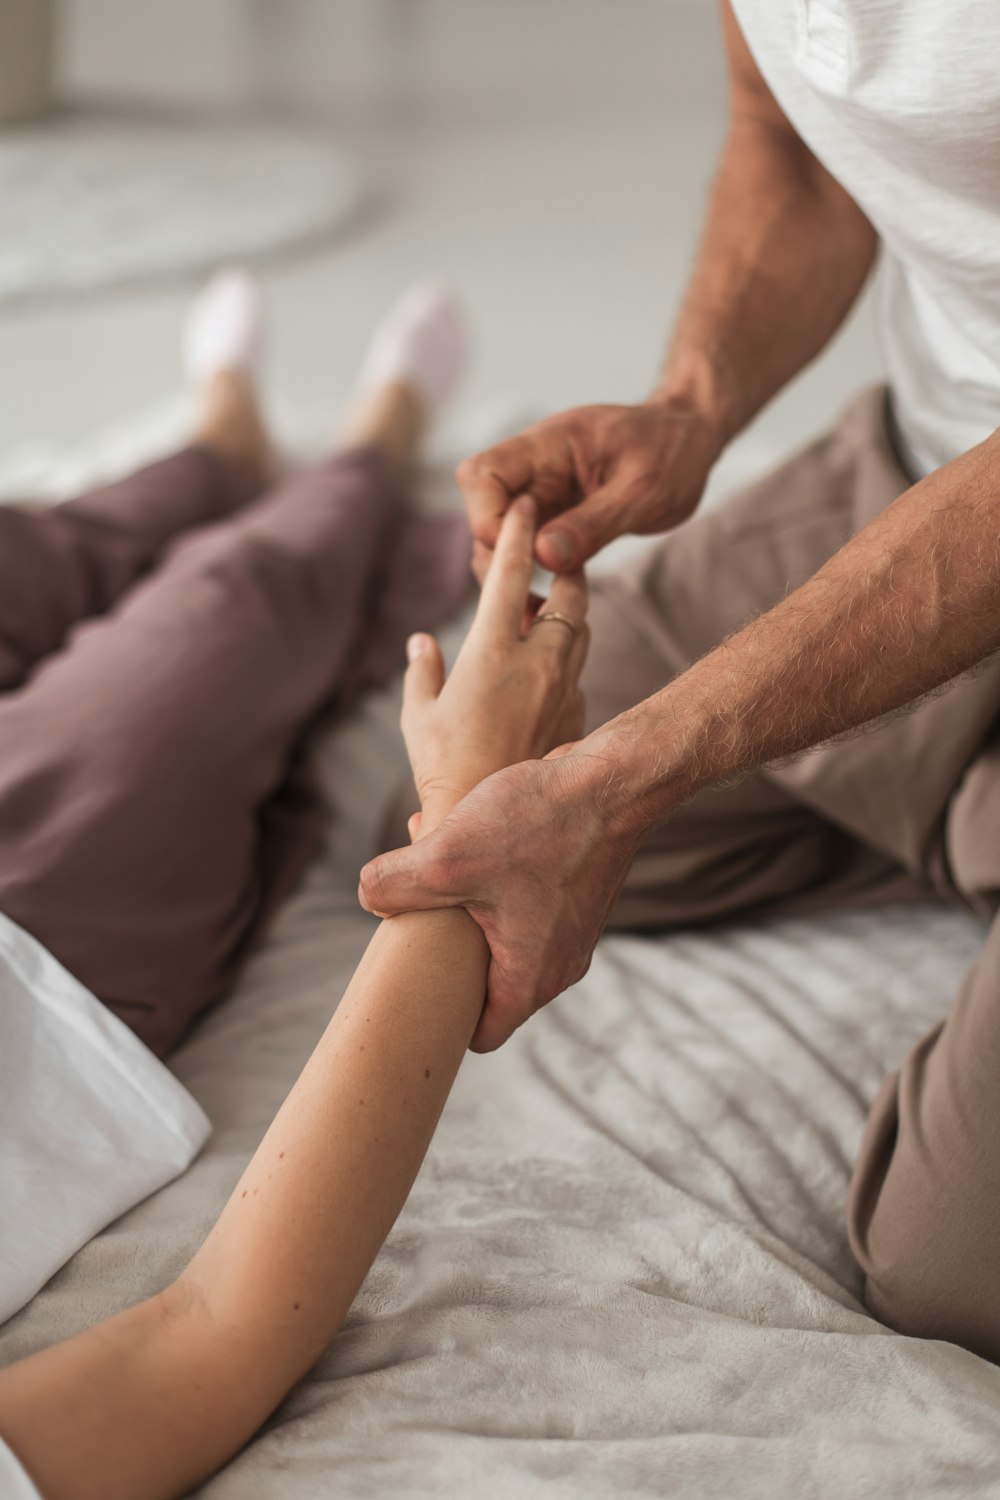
<point>783,255</point>
<point>910,602</point>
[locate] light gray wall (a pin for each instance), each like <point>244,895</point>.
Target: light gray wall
<point>158,51</point>
<point>362,56</point>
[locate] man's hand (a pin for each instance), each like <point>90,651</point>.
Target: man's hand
<point>596,473</point>
<point>537,857</point>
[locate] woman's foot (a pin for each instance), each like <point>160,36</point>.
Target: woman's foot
<point>222,347</point>
<point>414,362</point>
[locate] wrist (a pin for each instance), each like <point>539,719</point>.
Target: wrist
<point>634,782</point>
<point>434,808</point>
<point>693,386</point>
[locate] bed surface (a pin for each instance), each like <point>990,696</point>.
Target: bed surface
<point>623,1270</point>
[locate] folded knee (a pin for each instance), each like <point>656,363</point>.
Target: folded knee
<point>932,1270</point>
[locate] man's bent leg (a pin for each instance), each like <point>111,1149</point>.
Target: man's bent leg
<point>924,1207</point>
<point>730,850</point>
<point>787,837</point>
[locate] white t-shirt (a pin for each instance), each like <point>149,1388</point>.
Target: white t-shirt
<point>900,101</point>
<point>90,1124</point>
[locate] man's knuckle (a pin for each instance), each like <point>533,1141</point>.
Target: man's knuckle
<point>441,870</point>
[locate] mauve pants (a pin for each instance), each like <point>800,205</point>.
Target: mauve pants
<point>908,811</point>
<point>166,643</point>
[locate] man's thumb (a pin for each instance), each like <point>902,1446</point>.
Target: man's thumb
<point>575,536</point>
<point>392,883</point>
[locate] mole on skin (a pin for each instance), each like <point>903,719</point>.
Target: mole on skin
<point>427,1072</point>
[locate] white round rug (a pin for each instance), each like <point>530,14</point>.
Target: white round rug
<point>89,202</point>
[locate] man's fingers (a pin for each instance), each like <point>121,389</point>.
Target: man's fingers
<point>578,655</point>
<point>396,882</point>
<point>508,1004</point>
<point>505,591</point>
<point>498,1020</point>
<point>424,677</point>
<point>489,481</point>
<point>567,542</point>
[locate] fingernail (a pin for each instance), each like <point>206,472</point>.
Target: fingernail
<point>559,548</point>
<point>415,646</point>
<point>526,505</point>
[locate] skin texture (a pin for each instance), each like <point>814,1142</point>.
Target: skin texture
<point>911,601</point>
<point>148,1404</point>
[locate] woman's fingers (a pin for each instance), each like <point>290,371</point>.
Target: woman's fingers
<point>505,590</point>
<point>482,556</point>
<point>578,653</point>
<point>565,633</point>
<point>569,595</point>
<point>424,677</point>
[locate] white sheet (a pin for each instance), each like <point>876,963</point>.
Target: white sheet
<point>90,1121</point>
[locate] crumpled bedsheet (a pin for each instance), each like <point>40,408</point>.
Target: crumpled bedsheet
<point>623,1270</point>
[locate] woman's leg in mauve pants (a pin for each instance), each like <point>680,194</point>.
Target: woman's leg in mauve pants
<point>62,564</point>
<point>153,801</point>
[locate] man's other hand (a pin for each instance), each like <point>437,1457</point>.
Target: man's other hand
<point>536,857</point>
<point>596,473</point>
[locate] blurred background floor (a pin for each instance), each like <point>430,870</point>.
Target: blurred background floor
<point>548,158</point>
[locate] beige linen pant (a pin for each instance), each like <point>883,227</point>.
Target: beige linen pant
<point>907,811</point>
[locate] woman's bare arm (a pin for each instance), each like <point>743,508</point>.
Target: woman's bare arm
<point>151,1402</point>
<point>147,1404</point>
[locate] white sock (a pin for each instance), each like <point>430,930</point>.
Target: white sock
<point>422,340</point>
<point>223,329</point>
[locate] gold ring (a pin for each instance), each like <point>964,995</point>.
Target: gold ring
<point>557,619</point>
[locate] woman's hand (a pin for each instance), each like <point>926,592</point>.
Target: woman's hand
<point>514,691</point>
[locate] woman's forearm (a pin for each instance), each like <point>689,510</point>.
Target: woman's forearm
<point>910,602</point>
<point>319,1197</point>
<point>153,1401</point>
